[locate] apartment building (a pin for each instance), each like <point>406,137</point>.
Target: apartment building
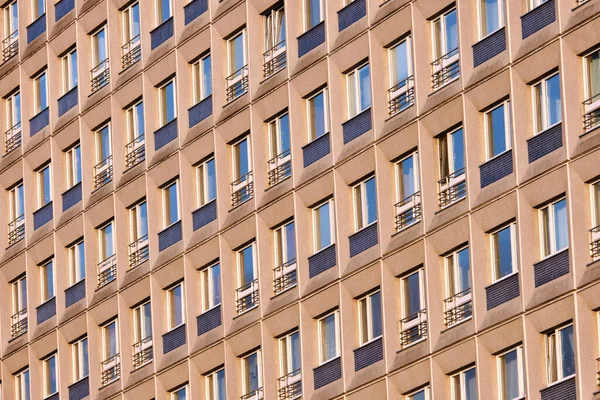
<point>261,199</point>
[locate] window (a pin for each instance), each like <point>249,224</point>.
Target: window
<point>171,203</point>
<point>279,136</point>
<point>247,293</point>
<point>236,49</point>
<point>105,241</point>
<point>139,221</point>
<point>44,186</point>
<point>215,385</point>
<point>202,76</point>
<point>275,29</point>
<point>323,225</point>
<point>491,13</point>
<point>69,70</point>
<point>131,25</point>
<point>73,165</point>
<point>318,118</point>
<point>11,23</point>
<point>22,388</point>
<point>369,317</point>
<point>329,346</point>
<point>142,322</point>
<point>79,355</point>
<point>546,103</point>
<point>560,353</point>
<point>38,8</point>
<point>407,171</point>
<point>135,123</point>
<point>498,130</point>
<point>19,295</point>
<point>359,90</point>
<point>13,113</point>
<point>314,13</point>
<point>99,46</point>
<point>206,176</point>
<point>591,105</point>
<point>163,11</point>
<point>47,281</point>
<point>445,34</point>
<point>251,374</point>
<point>166,94</point>
<point>110,340</point>
<point>16,202</point>
<point>504,259</point>
<point>179,394</point>
<point>451,153</point>
<point>40,93</point>
<point>210,287</point>
<point>401,92</point>
<point>103,145</point>
<point>458,274</point>
<point>76,254</point>
<point>241,158</point>
<point>510,374</point>
<point>175,306</point>
<point>553,228</point>
<point>289,354</point>
<point>464,385</point>
<point>365,203</point>
<point>285,244</point>
<point>535,3</point>
<point>50,376</point>
<point>412,294</point>
<point>422,394</point>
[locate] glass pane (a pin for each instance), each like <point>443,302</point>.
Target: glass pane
<point>317,115</point>
<point>490,18</point>
<point>74,77</point>
<point>135,20</point>
<point>290,241</point>
<point>103,144</point>
<point>551,358</point>
<point>323,226</point>
<point>26,387</point>
<point>107,241</point>
<point>438,51</point>
<point>352,105</point>
<point>169,102</point>
<point>407,178</point>
<point>313,13</point>
<point>497,131</point>
<point>412,295</point>
<point>399,67</point>
<point>450,271</point>
<point>294,343</point>
<point>20,201</point>
<point>458,150</point>
<point>164,11</point>
<point>101,46</point>
<point>443,155</point>
<point>567,351</point>
<point>143,219</point>
<point>280,26</point>
<point>561,231</point>
<point>364,321</point>
<point>537,103</point>
<point>52,387</point>
<point>216,284</point>
<point>206,77</point>
<point>110,340</point>
<point>80,254</point>
<point>220,385</point>
<point>172,209</point>
<point>85,369</point>
<point>596,205</point>
<point>242,158</point>
<point>49,280</point>
<point>251,368</point>
<point>545,217</point>
<point>364,82</point>
<point>328,338</point>
<point>77,164</point>
<point>371,199</point>
<point>211,180</point>
<point>418,396</point>
<point>510,375</point>
<point>594,74</point>
<point>376,323</point>
<point>358,204</point>
<point>17,109</point>
<point>23,288</point>
<point>503,249</point>
<point>139,108</point>
<point>246,266</point>
<point>45,186</point>
<point>470,385</point>
<point>553,95</point>
<point>236,53</point>
<point>43,94</point>
<point>464,276</point>
<point>175,297</point>
<point>451,31</point>
<point>147,321</point>
<point>284,133</point>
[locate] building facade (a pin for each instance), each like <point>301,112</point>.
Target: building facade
<point>262,199</point>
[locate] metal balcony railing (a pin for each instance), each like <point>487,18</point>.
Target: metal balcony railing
<point>445,69</point>
<point>10,46</point>
<point>458,307</point>
<point>18,323</point>
<point>237,84</point>
<point>256,394</point>
<point>452,188</point>
<point>131,52</point>
<point>16,230</point>
<point>135,151</point>
<point>591,110</point>
<point>246,297</point>
<point>401,96</point>
<point>100,75</point>
<point>413,328</point>
<point>111,369</point>
<point>280,167</point>
<point>289,387</point>
<point>242,189</point>
<point>274,59</point>
<point>595,242</point>
<point>138,251</point>
<point>107,270</point>
<point>142,352</point>
<point>408,211</point>
<point>285,276</point>
<point>13,138</point>
<point>103,172</point>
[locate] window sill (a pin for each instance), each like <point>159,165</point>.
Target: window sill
<point>547,129</point>
<point>380,337</point>
<point>560,381</point>
<point>329,361</point>
<point>315,139</point>
<point>357,114</point>
<point>175,327</point>
<point>552,255</point>
<point>503,278</point>
<point>169,226</point>
<point>490,34</point>
<point>322,250</point>
<point>46,301</point>
<point>497,155</point>
<point>210,309</point>
<point>364,228</point>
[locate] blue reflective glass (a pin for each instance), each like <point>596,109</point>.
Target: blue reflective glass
<point>567,348</point>
<point>317,112</point>
<point>324,226</point>
<point>497,127</point>
<point>170,102</point>
<point>503,247</point>
<point>371,200</point>
<point>290,236</point>
<point>376,323</point>
<point>295,350</point>
<point>451,31</point>
<point>43,98</point>
<point>553,95</point>
<point>215,273</point>
<point>143,219</point>
<point>560,225</point>
<point>470,385</point>
<point>413,295</point>
<point>139,108</point>
<point>206,77</point>
<point>314,13</point>
<point>458,150</point>
<point>247,265</point>
<point>407,176</point>
<point>211,180</point>
<point>464,275</point>
<point>284,132</point>
<point>364,76</point>
<point>80,254</point>
<point>221,394</point>
<point>84,355</point>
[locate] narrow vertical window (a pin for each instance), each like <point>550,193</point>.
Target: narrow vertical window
<point>13,122</point>
<point>50,373</point>
<point>314,13</point>
<point>285,257</point>
<point>408,207</point>
<point>175,306</point>
<point>180,394</point>
<point>458,305</point>
<point>498,130</point>
<point>210,287</point>
<point>202,78</point>
<point>329,346</point>
<point>18,320</point>
<point>79,356</point>
<point>464,385</point>
<point>359,90</point>
<point>491,14</point>
<point>247,292</point>
<point>103,170</point>
<point>237,81</point>
<point>452,185</point>
<point>595,231</point>
<point>323,225</point>
<point>401,92</point>
<point>290,365</point>
<point>554,230</point>
<point>318,121</point>
<point>69,70</point>
<point>163,11</point>
<point>166,94</point>
<point>100,73</point>
<point>47,281</point>
<point>16,208</point>
<point>365,203</point>
<point>76,254</point>
<point>591,118</point>
<point>22,386</point>
<point>73,165</point>
<point>274,58</point>
<point>369,317</point>
<point>503,245</point>
<point>138,223</point>
<point>252,376</point>
<point>560,353</point>
<point>206,178</point>
<point>131,27</point>
<point>111,366</point>
<point>171,203</point>
<point>511,375</point>
<point>135,148</point>
<point>11,30</point>
<point>547,103</point>
<point>421,394</point>
<point>40,93</point>
<point>142,335</point>
<point>413,326</point>
<point>44,186</point>
<point>107,267</point>
<point>446,66</point>
<point>280,166</point>
<point>215,385</point>
<point>242,187</point>
<point>38,8</point>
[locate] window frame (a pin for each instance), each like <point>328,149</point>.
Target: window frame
<point>98,142</point>
<point>77,352</point>
<point>501,18</point>
<point>74,174</point>
<point>40,185</point>
<point>443,45</point>
<point>392,61</point>
<point>367,299</point>
<point>425,390</point>
<point>535,3</point>
<point>543,108</point>
<point>95,47</point>
<point>321,341</point>
<point>595,203</point>
<point>557,334</point>
<point>403,294</point>
<point>165,194</point>
<point>312,136</point>
<point>135,225</point>
<point>126,21</point>
<point>416,175</point>
<point>452,274</point>
<point>258,352</point>
<point>521,375</point>
<point>317,226</point>
<point>158,11</point>
<point>271,28</point>
<point>174,394</point>
<point>281,243</point>
<point>202,181</point>
<point>46,374</point>
<point>47,288</point>
<point>306,13</point>
<point>37,89</point>
<point>101,240</point>
<point>213,380</point>
<point>132,118</point>
<point>68,82</point>
<point>16,199</point>
<point>139,328</point>
<point>284,345</point>
<point>353,80</point>
<point>450,149</point>
<point>162,101</point>
<point>489,132</point>
<point>198,75</point>
<point>35,11</point>
<point>13,113</point>
<point>237,174</point>
<point>275,134</point>
<point>8,21</point>
<point>105,348</point>
<point>23,382</point>
<point>170,306</point>
<point>74,254</point>
<point>360,190</point>
<point>18,302</point>
<point>238,256</point>
<point>460,376</point>
<point>231,51</point>
<point>587,73</point>
<point>551,233</point>
<point>207,293</point>
<point>513,251</point>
